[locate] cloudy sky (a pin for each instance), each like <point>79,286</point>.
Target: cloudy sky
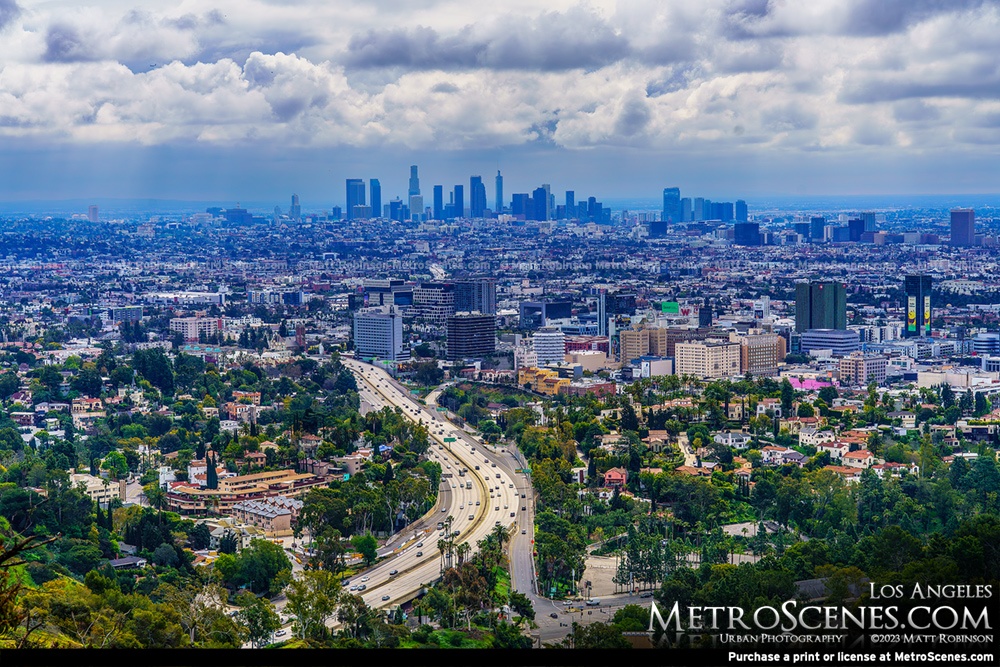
<point>252,99</point>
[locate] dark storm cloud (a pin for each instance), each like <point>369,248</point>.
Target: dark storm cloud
<point>63,44</point>
<point>9,10</point>
<point>550,42</point>
<point>882,17</point>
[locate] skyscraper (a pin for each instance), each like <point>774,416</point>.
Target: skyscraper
<point>459,203</point>
<point>477,197</point>
<point>499,191</point>
<point>747,233</point>
<point>918,306</point>
<point>439,202</point>
<point>602,313</point>
<point>570,204</point>
<point>414,182</point>
<point>685,209</point>
<point>699,212</point>
<point>869,219</point>
<point>548,200</point>
<point>671,205</point>
<point>963,227</point>
<point>92,214</point>
<point>820,305</point>
<point>416,207</point>
<point>540,199</point>
<point>295,210</point>
<point>741,211</point>
<point>816,225</point>
<point>355,196</point>
<point>375,190</point>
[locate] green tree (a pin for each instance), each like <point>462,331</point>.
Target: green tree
<point>312,599</point>
<point>258,618</point>
<point>366,546</point>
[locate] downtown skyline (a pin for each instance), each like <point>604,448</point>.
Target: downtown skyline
<point>731,99</point>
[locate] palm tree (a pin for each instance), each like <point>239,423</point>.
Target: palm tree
<point>463,551</point>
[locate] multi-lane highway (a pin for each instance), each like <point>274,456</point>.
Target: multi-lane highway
<point>487,495</point>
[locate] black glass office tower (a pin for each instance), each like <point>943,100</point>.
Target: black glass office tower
<point>355,196</point>
<point>918,306</point>
<point>439,202</point>
<point>671,205</point>
<point>820,305</point>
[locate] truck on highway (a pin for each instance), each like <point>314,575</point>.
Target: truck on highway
<point>461,472</point>
<point>468,484</point>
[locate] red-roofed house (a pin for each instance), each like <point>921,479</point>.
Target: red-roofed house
<point>616,477</point>
<point>859,459</point>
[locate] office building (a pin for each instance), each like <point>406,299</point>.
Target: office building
<point>414,188</point>
<point>375,192</point>
<point>477,197</point>
<point>862,369</point>
<point>416,207</point>
<point>760,353</point>
<point>439,202</point>
<point>602,313</point>
<point>855,229</point>
<point>746,234</point>
<point>869,219</point>
<point>741,213</point>
<point>92,215</point>
<point>840,342</point>
<point>499,194</point>
<point>671,205</point>
<point>963,227</point>
<point>540,199</point>
<point>537,314</point>
<point>705,359</point>
<point>820,305</point>
<point>570,203</point>
<point>362,212</point>
<point>355,196</point>
<point>434,301</point>
<point>396,209</point>
<point>985,344</point>
<point>477,294</point>
<point>918,306</point>
<point>471,335</point>
<point>549,344</point>
<point>378,332</point>
<point>817,226</point>
<point>125,313</point>
<point>458,202</point>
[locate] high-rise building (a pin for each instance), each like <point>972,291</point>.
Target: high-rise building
<point>855,229</point>
<point>499,193</point>
<point>378,332</point>
<point>963,227</point>
<point>671,205</point>
<point>434,301</point>
<point>458,203</point>
<point>416,207</point>
<point>570,203</point>
<point>414,188</point>
<point>685,209</point>
<point>439,202</point>
<point>355,195</point>
<point>707,359</point>
<point>477,197</point>
<point>860,369</point>
<point>471,335</point>
<point>602,313</point>
<point>820,305</point>
<point>699,209</point>
<point>760,353</point>
<point>476,294</point>
<point>92,214</point>
<point>841,342</point>
<point>295,210</point>
<point>396,209</point>
<point>548,200</point>
<point>549,344</point>
<point>540,198</point>
<point>747,233</point>
<point>817,225</point>
<point>375,190</point>
<point>869,218</point>
<point>918,306</point>
<point>741,212</point>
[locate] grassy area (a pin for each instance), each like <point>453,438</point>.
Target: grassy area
<point>502,589</point>
<point>451,639</point>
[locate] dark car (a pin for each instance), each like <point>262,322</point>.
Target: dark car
<point>553,615</point>
<point>647,594</point>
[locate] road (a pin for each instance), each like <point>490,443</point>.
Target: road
<point>493,499</point>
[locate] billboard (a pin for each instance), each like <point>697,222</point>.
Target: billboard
<point>670,307</point>
<point>927,314</point>
<point>911,314</point>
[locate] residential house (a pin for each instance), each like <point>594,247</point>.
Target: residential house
<point>814,437</point>
<point>851,475</point>
<point>616,477</point>
<point>772,454</point>
<point>733,439</point>
<point>859,459</point>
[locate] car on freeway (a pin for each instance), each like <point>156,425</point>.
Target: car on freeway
<point>420,544</point>
<point>393,573</point>
<point>524,531</point>
<point>364,579</point>
<point>362,587</point>
<point>384,598</point>
<point>420,554</point>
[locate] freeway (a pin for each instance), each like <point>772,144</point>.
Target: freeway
<point>494,498</point>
